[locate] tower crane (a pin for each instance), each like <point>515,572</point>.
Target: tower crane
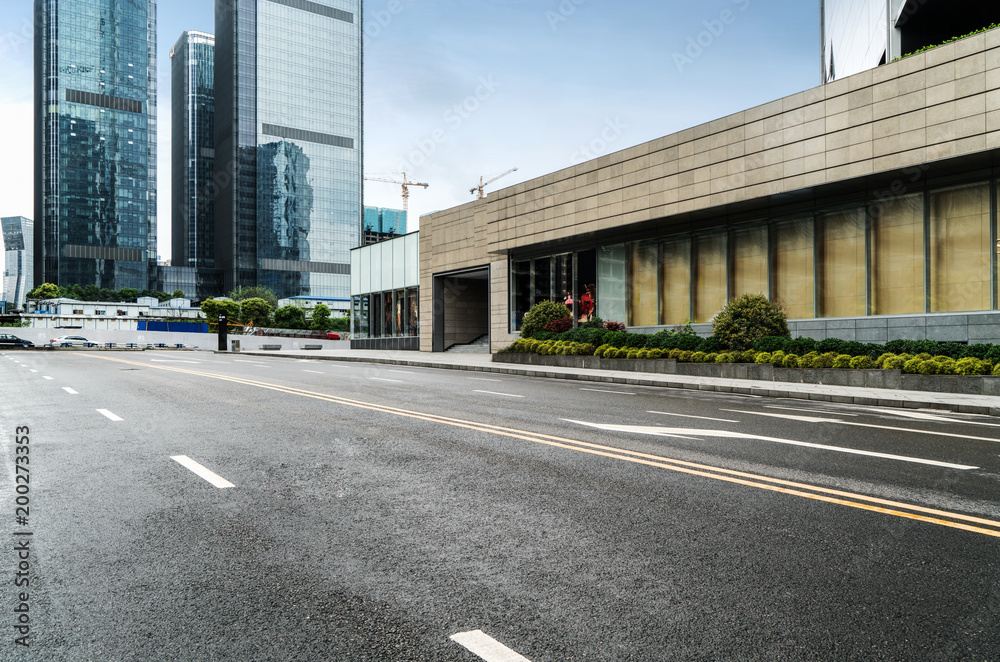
<point>483,184</point>
<point>406,187</point>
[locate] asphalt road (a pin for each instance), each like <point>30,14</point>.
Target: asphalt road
<point>378,513</point>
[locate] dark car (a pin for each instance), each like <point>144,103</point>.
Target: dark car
<point>7,340</point>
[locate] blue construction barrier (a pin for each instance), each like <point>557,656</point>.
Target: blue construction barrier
<point>175,327</point>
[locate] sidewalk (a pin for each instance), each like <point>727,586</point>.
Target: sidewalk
<point>971,404</point>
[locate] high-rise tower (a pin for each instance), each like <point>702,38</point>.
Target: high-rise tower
<point>95,143</point>
<point>192,100</point>
<point>288,143</point>
<point>18,249</point>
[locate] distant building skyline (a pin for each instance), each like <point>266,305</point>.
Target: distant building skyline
<point>18,248</point>
<point>288,147</point>
<point>95,143</point>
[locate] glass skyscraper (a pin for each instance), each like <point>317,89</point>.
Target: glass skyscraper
<point>192,73</point>
<point>17,273</point>
<point>288,149</point>
<point>383,219</point>
<point>95,143</point>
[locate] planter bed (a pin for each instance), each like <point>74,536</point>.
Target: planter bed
<point>871,378</point>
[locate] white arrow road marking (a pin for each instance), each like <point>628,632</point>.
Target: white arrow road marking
<point>668,432</point>
<point>209,475</point>
<point>811,419</point>
<point>487,647</point>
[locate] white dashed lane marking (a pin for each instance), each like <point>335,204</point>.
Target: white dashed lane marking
<point>209,475</point>
<point>70,391</point>
<point>486,647</point>
<point>113,417</point>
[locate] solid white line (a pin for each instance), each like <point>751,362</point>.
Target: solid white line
<point>107,413</point>
<point>486,647</point>
<point>483,379</point>
<point>212,477</point>
<point>315,372</point>
<point>70,391</point>
<point>663,432</point>
<point>383,379</point>
<point>604,390</point>
<point>402,372</point>
<point>506,395</point>
<point>704,418</point>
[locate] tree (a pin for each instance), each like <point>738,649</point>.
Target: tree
<point>45,291</point>
<point>748,318</point>
<point>255,310</point>
<point>341,324</point>
<point>128,294</point>
<point>290,317</point>
<point>214,307</point>
<point>178,294</point>
<point>255,292</point>
<point>320,318</point>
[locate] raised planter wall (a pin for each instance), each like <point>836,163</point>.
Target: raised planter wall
<point>888,379</point>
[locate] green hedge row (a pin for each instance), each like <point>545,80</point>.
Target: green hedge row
<point>922,363</point>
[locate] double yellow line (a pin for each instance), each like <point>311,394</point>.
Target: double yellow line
<point>853,500</point>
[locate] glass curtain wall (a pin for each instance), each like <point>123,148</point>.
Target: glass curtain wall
<point>897,256</point>
<point>842,287</point>
<point>748,262</point>
<point>709,276</point>
<point>792,276</point>
<point>675,281</point>
<point>644,259</point>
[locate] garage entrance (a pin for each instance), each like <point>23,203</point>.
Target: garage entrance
<point>462,310</point>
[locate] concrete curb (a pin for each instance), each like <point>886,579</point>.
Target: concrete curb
<point>770,390</point>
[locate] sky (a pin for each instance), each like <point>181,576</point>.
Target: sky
<point>456,90</point>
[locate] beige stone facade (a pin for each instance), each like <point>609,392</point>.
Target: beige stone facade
<point>937,107</point>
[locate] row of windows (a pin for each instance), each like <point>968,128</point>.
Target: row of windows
<point>931,252</point>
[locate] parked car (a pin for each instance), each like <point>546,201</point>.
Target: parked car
<point>7,340</point>
<point>330,335</point>
<point>73,341</point>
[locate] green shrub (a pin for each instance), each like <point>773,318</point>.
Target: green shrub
<point>772,344</point>
<point>912,367</point>
<point>725,357</point>
<point>801,346</point>
<point>924,356</point>
<point>676,353</point>
<point>863,362</point>
<point>600,350</point>
<point>585,349</point>
<point>842,361</point>
<point>748,318</point>
<point>747,356</point>
<point>631,353</point>
<point>711,345</point>
<point>970,365</point>
<point>762,357</point>
<point>825,361</point>
<point>807,360</point>
<point>642,354</point>
<point>541,314</point>
<point>929,367</point>
<point>697,357</point>
<point>778,358</point>
<point>710,357</point>
<point>996,370</point>
<point>656,353</point>
<point>685,356</point>
<point>881,359</point>
<point>893,363</point>
<point>790,361</point>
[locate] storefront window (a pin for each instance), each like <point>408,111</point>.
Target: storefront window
<point>611,286</point>
<point>586,284</point>
<point>387,316</point>
<point>842,263</point>
<point>520,292</point>
<point>792,261</point>
<point>563,277</point>
<point>399,321</point>
<point>543,280</point>
<point>897,256</point>
<point>675,281</point>
<point>748,262</point>
<point>643,267</point>
<point>413,316</point>
<point>710,276</point>
<point>960,249</point>
<point>375,324</point>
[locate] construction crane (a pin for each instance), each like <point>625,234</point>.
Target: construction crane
<point>406,187</point>
<point>483,184</point>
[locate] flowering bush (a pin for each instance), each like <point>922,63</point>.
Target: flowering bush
<point>614,326</point>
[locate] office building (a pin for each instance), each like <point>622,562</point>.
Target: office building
<point>381,223</point>
<point>385,294</point>
<point>192,73</point>
<point>867,207</point>
<point>863,34</point>
<point>18,278</point>
<point>95,143</point>
<point>288,144</point>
